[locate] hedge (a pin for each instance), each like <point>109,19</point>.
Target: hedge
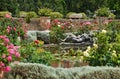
<point>39,71</point>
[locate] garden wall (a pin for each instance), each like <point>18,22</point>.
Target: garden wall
<point>42,22</point>
<point>39,71</point>
<point>35,23</point>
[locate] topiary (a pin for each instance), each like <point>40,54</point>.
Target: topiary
<point>30,15</point>
<point>84,16</point>
<point>44,12</point>
<point>103,12</point>
<point>112,16</point>
<point>22,14</point>
<point>70,13</point>
<point>55,15</point>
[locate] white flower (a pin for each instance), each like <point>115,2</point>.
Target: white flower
<point>18,39</point>
<point>104,31</point>
<point>88,49</point>
<point>59,25</point>
<point>114,51</point>
<point>95,45</point>
<point>86,54</point>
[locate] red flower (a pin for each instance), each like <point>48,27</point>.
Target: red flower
<point>14,29</point>
<point>55,21</point>
<point>36,41</point>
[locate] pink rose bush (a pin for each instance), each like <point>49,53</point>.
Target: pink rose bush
<point>12,28</point>
<point>8,53</point>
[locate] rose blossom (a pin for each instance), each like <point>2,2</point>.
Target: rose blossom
<point>7,69</point>
<point>7,15</point>
<point>9,58</point>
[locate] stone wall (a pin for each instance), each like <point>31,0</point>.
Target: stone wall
<point>35,23</point>
<point>42,22</point>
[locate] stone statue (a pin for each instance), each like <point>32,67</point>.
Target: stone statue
<point>71,38</point>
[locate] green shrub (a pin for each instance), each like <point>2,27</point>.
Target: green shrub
<point>55,15</point>
<point>2,13</point>
<point>70,13</point>
<point>23,14</point>
<point>103,12</point>
<point>104,52</point>
<point>84,16</point>
<point>44,12</point>
<point>33,52</point>
<point>112,16</point>
<point>31,15</point>
<point>39,71</point>
<point>12,29</point>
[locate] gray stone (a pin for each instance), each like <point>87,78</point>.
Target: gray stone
<point>44,36</point>
<point>71,38</point>
<point>31,35</point>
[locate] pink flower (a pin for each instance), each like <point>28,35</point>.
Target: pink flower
<point>9,58</point>
<point>4,56</point>
<point>7,15</point>
<point>11,51</point>
<point>87,23</point>
<point>8,29</point>
<point>2,64</point>
<point>6,40</point>
<point>7,69</point>
<point>3,37</point>
<point>16,47</point>
<point>17,54</point>
<point>11,46</point>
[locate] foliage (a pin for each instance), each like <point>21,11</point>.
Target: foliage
<point>103,53</point>
<point>55,15</point>
<point>44,12</point>
<point>39,71</point>
<point>8,53</point>
<point>23,14</point>
<point>57,32</point>
<point>84,16</point>
<point>33,52</point>
<point>11,28</point>
<point>113,29</point>
<point>103,12</point>
<point>63,6</point>
<point>30,15</point>
<point>68,14</point>
<point>2,13</point>
<point>112,16</point>
<point>85,28</point>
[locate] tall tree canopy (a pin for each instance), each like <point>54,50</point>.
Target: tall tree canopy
<point>63,6</point>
